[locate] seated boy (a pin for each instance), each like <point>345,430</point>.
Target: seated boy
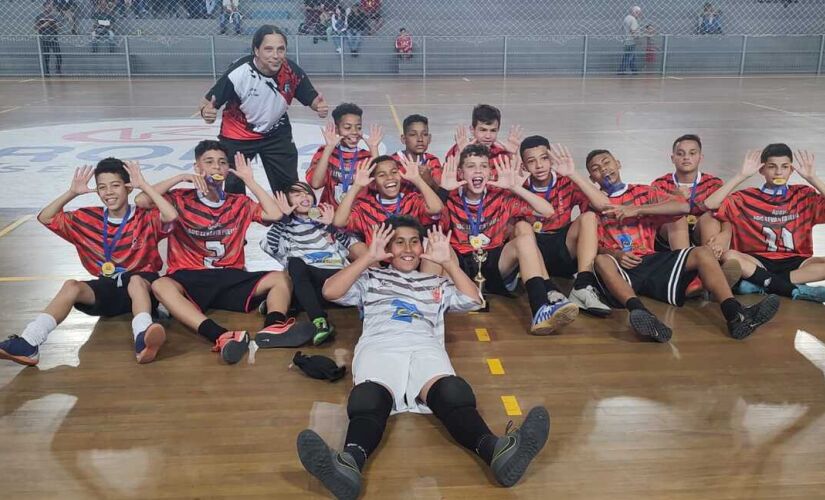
<point>772,227</point>
<point>116,242</point>
<point>206,252</point>
<point>481,214</point>
<point>567,247</point>
<point>358,213</point>
<point>310,249</point>
<point>628,264</point>
<point>401,365</point>
<point>333,165</point>
<point>486,121</point>
<point>416,139</point>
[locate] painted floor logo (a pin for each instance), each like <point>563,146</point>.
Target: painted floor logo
<point>36,164</point>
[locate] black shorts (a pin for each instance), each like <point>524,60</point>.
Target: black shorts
<point>781,267</point>
<point>227,289</point>
<point>556,256</point>
<point>661,276</point>
<point>494,282</point>
<point>112,295</point>
<point>279,158</point>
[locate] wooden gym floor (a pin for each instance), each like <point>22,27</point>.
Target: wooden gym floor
<point>703,417</point>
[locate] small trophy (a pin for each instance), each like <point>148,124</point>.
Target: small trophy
<point>480,256</point>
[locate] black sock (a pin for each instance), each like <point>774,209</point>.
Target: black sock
<point>536,293</point>
<point>771,282</point>
<point>452,401</point>
<point>634,303</point>
<point>368,408</point>
<point>274,317</point>
<point>550,286</point>
<point>211,330</point>
<point>486,447</point>
<point>584,279</point>
<point>731,309</point>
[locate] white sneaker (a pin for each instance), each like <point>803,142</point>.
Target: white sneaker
<point>588,301</point>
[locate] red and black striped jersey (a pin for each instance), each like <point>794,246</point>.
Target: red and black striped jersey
<point>502,209</point>
<point>341,167</point>
<point>429,162</point>
<point>369,211</point>
<point>774,227</point>
<point>209,234</point>
<point>563,194</point>
<point>135,251</point>
<point>496,152</point>
<point>636,234</point>
<point>256,104</point>
<point>706,185</point>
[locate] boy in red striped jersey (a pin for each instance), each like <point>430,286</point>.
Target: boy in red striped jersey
<point>359,214</point>
<point>567,247</point>
<point>116,242</point>
<point>772,226</point>
<point>416,139</point>
<point>627,263</point>
<point>486,121</point>
<point>481,214</point>
<point>333,165</point>
<point>206,253</point>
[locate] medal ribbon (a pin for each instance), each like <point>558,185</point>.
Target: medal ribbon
<point>549,188</point>
<point>218,185</point>
<point>109,246</point>
<point>347,168</point>
<point>397,205</point>
<point>780,191</point>
<point>475,224</point>
<point>692,200</point>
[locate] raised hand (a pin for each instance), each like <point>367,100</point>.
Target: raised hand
<point>461,140</point>
<point>621,212</point>
<point>562,160</point>
<point>375,138</point>
<point>197,181</point>
<point>514,139</point>
<point>508,174</point>
<point>752,163</point>
<point>410,171</point>
<point>80,180</point>
<point>449,175</point>
<point>327,213</point>
<point>209,111</point>
<point>805,164</point>
<point>381,236</point>
<point>438,247</point>
<point>331,137</point>
<point>363,173</point>
<point>136,179</point>
<point>283,204</point>
<point>243,170</point>
<point>320,106</point>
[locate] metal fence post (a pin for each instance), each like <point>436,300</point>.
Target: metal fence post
<point>128,57</point>
<point>821,50</point>
<point>341,38</point>
<point>664,55</point>
<point>214,63</point>
<point>744,52</point>
<point>40,57</point>
<point>585,48</point>
<point>424,56</point>
<point>298,50</point>
<point>505,55</point>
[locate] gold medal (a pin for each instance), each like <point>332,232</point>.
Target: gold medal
<point>107,268</point>
<point>691,220</point>
<point>475,242</point>
<point>314,213</point>
<point>217,177</point>
<point>537,226</point>
<point>780,182</point>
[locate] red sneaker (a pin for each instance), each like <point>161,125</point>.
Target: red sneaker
<point>232,346</point>
<point>695,288</point>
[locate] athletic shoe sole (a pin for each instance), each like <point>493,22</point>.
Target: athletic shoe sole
<point>564,315</point>
<point>322,337</point>
<point>23,360</point>
<point>763,312</point>
<point>233,351</point>
<point>534,432</point>
<point>154,337</point>
<point>317,459</point>
<point>647,325</point>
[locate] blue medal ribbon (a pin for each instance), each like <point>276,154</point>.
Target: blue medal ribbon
<point>109,246</point>
<point>780,191</point>
<point>397,205</point>
<point>218,185</point>
<point>546,193</point>
<point>611,187</point>
<point>475,223</point>
<point>347,168</point>
<point>692,199</point>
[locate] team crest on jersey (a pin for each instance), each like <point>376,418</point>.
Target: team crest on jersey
<point>437,294</point>
<point>405,311</point>
<point>286,88</point>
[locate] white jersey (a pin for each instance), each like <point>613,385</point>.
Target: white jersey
<point>404,309</point>
<point>308,240</point>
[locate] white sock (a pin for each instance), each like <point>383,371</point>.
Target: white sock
<point>39,329</point>
<point>140,323</point>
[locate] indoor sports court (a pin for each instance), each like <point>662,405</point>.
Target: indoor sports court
<point>704,416</point>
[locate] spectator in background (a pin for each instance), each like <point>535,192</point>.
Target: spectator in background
<point>230,14</point>
<point>46,26</point>
<point>630,28</point>
<point>709,21</point>
<point>338,26</point>
<point>211,6</point>
<point>372,8</point>
<point>103,27</point>
<point>404,44</point>
<point>68,9</point>
<point>359,25</point>
<point>650,46</point>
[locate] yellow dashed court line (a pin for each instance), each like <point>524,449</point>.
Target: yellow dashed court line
<point>482,334</point>
<point>495,366</point>
<point>511,406</point>
<point>395,115</point>
<point>14,225</point>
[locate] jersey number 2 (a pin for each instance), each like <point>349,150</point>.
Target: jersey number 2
<point>771,239</point>
<point>218,249</point>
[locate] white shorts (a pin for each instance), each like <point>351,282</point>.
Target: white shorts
<point>403,370</point>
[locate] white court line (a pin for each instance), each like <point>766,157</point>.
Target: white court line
<point>780,110</point>
<point>466,79</point>
<point>675,78</point>
<point>10,109</point>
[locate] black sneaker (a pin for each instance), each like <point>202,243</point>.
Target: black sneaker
<point>646,324</point>
<point>514,451</point>
<point>338,472</point>
<point>754,316</point>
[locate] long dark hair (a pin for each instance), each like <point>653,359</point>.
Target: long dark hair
<point>266,29</point>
